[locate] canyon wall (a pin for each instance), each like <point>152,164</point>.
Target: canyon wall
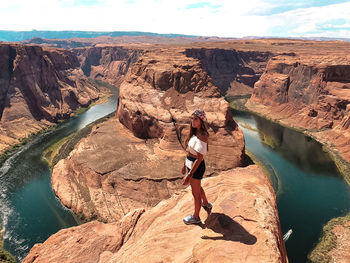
<point>160,92</point>
<point>111,172</point>
<point>310,93</point>
<point>38,86</point>
<point>140,151</point>
<point>107,63</point>
<point>234,72</point>
<point>243,226</point>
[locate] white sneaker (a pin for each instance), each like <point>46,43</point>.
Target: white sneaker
<point>191,220</point>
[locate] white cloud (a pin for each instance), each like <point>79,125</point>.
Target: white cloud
<point>312,21</point>
<point>227,19</point>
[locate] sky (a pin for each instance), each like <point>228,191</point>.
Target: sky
<point>222,18</point>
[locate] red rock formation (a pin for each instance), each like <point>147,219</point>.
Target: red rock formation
<point>308,93</point>
<point>111,172</point>
<point>107,63</point>
<point>233,72</point>
<point>38,86</point>
<point>163,88</point>
<point>242,227</point>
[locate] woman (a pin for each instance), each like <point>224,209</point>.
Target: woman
<point>197,147</point>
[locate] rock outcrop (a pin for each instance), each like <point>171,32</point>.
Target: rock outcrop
<point>107,63</point>
<point>243,226</point>
<point>233,72</point>
<point>116,168</point>
<point>311,93</point>
<point>111,172</point>
<point>160,92</point>
<point>38,86</point>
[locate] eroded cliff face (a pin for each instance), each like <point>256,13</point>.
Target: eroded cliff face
<point>38,86</point>
<point>233,72</point>
<point>160,92</point>
<point>107,63</point>
<point>136,160</point>
<point>243,226</point>
<point>309,93</point>
<point>111,172</point>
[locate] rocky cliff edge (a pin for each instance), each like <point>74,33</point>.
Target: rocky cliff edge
<point>243,226</point>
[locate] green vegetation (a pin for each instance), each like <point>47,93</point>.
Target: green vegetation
<point>248,127</point>
<point>260,164</point>
<point>269,140</point>
<point>238,102</point>
<point>61,149</point>
<point>49,154</point>
<point>108,92</point>
<point>80,110</point>
<point>4,255</point>
<point>328,240</point>
<point>342,165</point>
<point>14,148</point>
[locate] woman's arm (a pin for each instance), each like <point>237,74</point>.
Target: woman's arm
<point>196,164</point>
<point>199,159</point>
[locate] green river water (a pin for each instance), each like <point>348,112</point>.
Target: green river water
<point>29,211</point>
<point>309,189</point>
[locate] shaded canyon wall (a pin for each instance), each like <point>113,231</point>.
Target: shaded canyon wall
<point>38,86</point>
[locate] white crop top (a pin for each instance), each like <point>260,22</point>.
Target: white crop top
<point>195,145</point>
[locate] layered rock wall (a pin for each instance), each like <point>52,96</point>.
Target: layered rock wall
<point>38,86</point>
<point>110,173</point>
<point>160,92</point>
<point>233,72</point>
<point>107,63</point>
<point>243,226</point>
<point>308,94</point>
<point>145,157</point>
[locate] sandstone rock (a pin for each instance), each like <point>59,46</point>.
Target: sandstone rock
<point>111,172</point>
<point>84,243</point>
<point>38,86</point>
<point>233,72</point>
<point>160,92</point>
<point>303,93</point>
<point>242,227</point>
<point>107,63</point>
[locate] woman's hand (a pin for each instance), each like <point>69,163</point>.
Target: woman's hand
<point>186,180</point>
<point>183,171</point>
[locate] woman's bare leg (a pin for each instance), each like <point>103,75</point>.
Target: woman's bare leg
<point>203,197</point>
<point>196,191</point>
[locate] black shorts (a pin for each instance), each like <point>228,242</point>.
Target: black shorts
<point>198,174</point>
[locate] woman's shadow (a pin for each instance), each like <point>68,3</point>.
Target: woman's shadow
<point>228,228</point>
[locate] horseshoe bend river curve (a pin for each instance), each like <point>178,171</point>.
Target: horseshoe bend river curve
<point>309,189</point>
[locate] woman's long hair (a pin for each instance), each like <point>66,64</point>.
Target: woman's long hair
<point>193,131</point>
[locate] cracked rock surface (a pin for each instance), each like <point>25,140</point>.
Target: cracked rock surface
<point>112,172</point>
<point>243,226</point>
